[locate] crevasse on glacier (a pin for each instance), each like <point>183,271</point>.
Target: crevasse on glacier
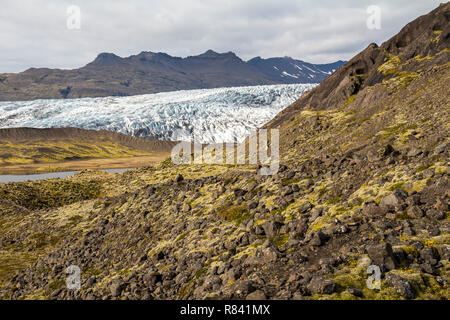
<point>205,115</point>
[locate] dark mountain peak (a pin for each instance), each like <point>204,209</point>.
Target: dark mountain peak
<point>255,59</point>
<point>230,53</point>
<point>209,54</point>
<point>106,59</point>
<point>213,54</point>
<point>163,55</point>
<point>152,56</point>
<point>105,56</point>
<point>146,54</point>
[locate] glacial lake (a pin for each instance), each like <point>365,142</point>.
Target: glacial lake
<point>51,175</point>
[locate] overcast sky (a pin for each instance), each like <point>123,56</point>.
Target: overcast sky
<point>34,33</point>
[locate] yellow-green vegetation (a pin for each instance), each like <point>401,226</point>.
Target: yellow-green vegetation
<point>396,129</point>
<point>58,151</point>
<point>10,262</point>
<point>40,231</point>
<point>49,193</point>
<point>390,66</point>
<point>436,36</point>
<point>280,240</point>
<point>354,274</point>
<point>30,150</point>
<point>236,213</point>
<point>401,80</point>
<point>397,78</point>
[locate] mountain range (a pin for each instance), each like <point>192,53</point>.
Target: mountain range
<point>149,72</point>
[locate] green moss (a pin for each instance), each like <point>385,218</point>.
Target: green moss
<point>280,240</point>
<point>76,219</point>
<point>396,186</point>
<point>92,271</point>
<point>199,272</point>
<point>397,129</point>
<point>63,150</point>
<point>41,239</point>
<point>322,190</point>
<point>334,150</point>
<point>350,99</point>
<point>317,226</point>
<point>410,250</point>
<point>56,284</point>
<point>286,181</point>
<point>186,290</point>
<point>182,236</point>
<point>49,193</point>
<point>166,164</point>
<point>236,213</point>
<point>390,66</point>
<point>402,216</point>
<point>333,201</point>
<point>423,167</point>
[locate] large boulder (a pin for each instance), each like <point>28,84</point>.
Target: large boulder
<point>256,295</point>
<point>382,255</point>
<point>402,286</point>
<point>415,212</point>
<point>395,199</point>
<point>116,287</point>
<point>321,286</point>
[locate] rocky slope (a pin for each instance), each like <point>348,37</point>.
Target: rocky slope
<point>364,181</point>
<point>148,72</point>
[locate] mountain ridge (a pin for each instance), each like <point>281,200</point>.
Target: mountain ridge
<point>150,72</point>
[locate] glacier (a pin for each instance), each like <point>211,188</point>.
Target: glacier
<point>203,115</point>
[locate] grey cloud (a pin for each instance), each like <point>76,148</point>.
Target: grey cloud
<point>34,33</point>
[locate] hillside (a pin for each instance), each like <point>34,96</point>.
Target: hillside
<point>363,181</point>
<point>60,149</point>
<point>148,72</point>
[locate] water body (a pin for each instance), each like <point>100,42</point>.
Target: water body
<point>51,175</point>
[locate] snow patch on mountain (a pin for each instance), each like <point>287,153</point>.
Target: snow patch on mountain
<point>284,73</point>
<point>205,115</point>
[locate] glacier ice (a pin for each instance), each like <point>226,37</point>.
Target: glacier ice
<point>203,115</point>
